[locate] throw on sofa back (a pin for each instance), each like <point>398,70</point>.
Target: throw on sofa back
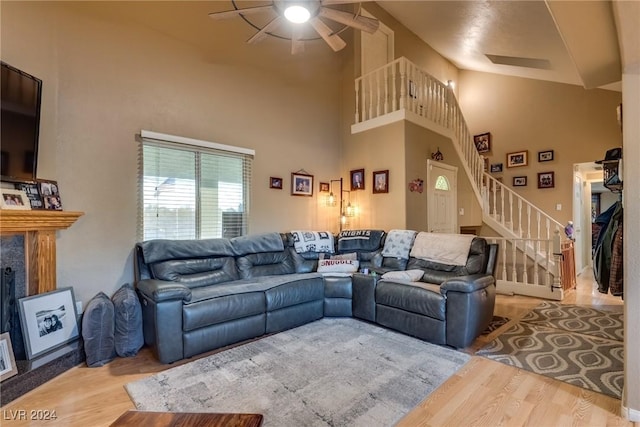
<point>438,273</point>
<point>367,244</point>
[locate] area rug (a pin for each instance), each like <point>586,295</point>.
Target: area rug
<point>332,372</point>
<point>569,343</point>
<point>495,323</point>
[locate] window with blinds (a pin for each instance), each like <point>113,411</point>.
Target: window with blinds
<point>192,189</point>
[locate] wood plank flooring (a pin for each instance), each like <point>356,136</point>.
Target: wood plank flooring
<point>482,393</point>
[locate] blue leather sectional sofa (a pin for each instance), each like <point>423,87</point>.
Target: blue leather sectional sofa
<point>199,295</point>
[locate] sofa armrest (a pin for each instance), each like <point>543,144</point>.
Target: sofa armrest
<point>161,290</point>
<point>467,284</point>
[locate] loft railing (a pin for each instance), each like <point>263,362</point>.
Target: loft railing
<point>402,86</point>
<point>402,90</point>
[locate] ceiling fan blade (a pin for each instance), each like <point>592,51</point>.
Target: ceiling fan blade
<point>260,35</point>
<point>233,13</point>
<point>297,45</point>
<point>333,40</point>
<point>330,2</point>
<point>362,23</point>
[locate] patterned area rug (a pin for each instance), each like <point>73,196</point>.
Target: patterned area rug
<point>332,372</point>
<point>496,322</point>
<point>578,345</point>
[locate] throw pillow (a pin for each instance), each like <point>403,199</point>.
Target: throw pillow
<point>128,321</point>
<point>338,266</point>
<point>398,243</point>
<point>97,331</point>
<point>406,276</point>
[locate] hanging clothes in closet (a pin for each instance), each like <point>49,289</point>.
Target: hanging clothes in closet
<point>609,251</point>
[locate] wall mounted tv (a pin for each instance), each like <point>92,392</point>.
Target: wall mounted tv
<point>20,95</point>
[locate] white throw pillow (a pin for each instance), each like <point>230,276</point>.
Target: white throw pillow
<point>406,276</point>
<point>338,266</point>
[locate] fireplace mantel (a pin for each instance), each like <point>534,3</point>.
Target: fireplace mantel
<point>39,228</point>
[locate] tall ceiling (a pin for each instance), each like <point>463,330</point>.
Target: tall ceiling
<point>571,42</point>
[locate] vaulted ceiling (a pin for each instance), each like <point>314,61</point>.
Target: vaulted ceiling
<point>572,42</point>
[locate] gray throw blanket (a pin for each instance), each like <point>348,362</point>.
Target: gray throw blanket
<point>359,240</point>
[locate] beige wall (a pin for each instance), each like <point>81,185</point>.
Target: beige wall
<point>105,79</point>
<point>524,114</point>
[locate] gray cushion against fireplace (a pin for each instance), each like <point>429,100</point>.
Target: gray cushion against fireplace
<point>128,321</point>
<point>97,331</point>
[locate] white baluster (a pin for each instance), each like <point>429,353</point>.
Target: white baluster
<point>495,199</point>
<point>378,103</point>
<point>403,83</point>
<point>547,264</point>
<point>535,263</point>
<point>514,261</point>
<point>357,118</point>
<point>502,215</point>
<point>386,90</point>
<point>504,259</point>
<point>525,262</point>
<point>370,79</point>
<point>528,221</point>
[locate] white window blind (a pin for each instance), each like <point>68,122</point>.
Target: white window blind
<point>192,189</point>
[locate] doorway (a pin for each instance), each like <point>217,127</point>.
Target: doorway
<point>590,198</point>
<point>442,197</point>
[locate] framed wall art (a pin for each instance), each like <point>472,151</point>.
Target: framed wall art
<point>381,182</point>
<point>14,199</point>
<point>357,179</point>
<point>324,187</point>
<point>48,320</point>
<point>545,156</point>
<point>301,184</point>
<point>482,142</point>
<point>275,182</point>
<point>496,168</point>
<point>546,180</point>
<point>8,366</point>
<point>519,158</point>
<point>519,181</point>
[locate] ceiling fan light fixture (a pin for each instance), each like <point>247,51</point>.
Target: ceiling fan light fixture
<point>297,14</point>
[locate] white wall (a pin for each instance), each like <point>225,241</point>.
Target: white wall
<point>105,79</point>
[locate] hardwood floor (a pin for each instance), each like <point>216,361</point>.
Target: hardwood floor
<point>483,393</point>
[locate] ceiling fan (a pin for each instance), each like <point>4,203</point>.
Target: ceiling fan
<point>298,13</point>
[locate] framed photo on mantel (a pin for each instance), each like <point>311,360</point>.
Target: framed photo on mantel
<point>32,192</point>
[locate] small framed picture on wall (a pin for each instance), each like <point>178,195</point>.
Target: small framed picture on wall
<point>546,180</point>
<point>519,181</point>
<point>381,182</point>
<point>275,182</point>
<point>545,156</point>
<point>482,142</point>
<point>519,158</point>
<point>357,179</point>
<point>301,184</point>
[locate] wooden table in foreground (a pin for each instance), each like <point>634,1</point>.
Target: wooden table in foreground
<point>186,419</point>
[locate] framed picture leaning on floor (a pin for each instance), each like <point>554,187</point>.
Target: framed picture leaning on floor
<point>48,320</point>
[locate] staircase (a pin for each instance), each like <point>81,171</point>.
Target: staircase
<point>531,252</point>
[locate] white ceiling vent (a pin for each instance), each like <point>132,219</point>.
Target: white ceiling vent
<point>542,64</point>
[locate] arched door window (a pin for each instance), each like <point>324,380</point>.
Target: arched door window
<point>442,183</point>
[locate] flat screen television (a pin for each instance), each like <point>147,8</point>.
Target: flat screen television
<point>20,95</point>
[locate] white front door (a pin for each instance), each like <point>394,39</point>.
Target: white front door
<point>442,197</point>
